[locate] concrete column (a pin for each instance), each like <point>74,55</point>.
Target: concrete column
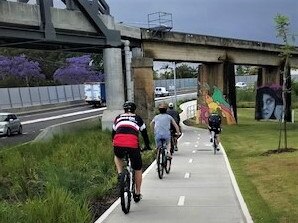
<point>269,75</point>
<point>114,86</point>
<point>222,76</point>
<point>142,69</point>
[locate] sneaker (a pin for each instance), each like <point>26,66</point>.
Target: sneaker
<point>176,148</point>
<point>211,140</point>
<point>217,148</point>
<point>137,197</point>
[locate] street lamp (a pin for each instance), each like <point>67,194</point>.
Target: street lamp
<point>175,90</point>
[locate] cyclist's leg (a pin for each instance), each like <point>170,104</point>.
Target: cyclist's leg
<point>118,158</point>
<point>168,144</point>
<point>136,163</point>
<point>217,140</point>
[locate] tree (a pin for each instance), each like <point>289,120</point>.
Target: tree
<point>282,28</point>
<point>77,71</point>
<point>21,69</point>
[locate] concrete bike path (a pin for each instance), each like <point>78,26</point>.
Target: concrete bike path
<point>198,189</point>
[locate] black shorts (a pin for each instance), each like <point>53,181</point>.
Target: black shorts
<point>134,154</point>
<point>215,129</point>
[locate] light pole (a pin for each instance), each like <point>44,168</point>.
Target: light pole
<point>175,91</point>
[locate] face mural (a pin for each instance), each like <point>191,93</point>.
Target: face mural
<point>269,103</point>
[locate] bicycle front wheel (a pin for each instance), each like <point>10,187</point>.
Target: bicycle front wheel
<point>159,161</point>
<point>125,191</point>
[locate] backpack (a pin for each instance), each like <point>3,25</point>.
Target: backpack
<point>214,120</point>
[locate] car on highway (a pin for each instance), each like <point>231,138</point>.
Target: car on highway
<point>9,124</point>
<point>161,91</point>
<point>241,85</point>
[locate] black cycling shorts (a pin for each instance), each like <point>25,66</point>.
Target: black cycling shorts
<point>134,154</point>
<point>215,129</point>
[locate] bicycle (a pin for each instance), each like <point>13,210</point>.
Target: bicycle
<point>127,184</point>
<point>163,162</point>
<point>173,142</point>
<point>214,140</point>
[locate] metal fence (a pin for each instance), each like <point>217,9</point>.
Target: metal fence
<point>35,96</point>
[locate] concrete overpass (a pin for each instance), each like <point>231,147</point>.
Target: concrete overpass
<point>85,30</point>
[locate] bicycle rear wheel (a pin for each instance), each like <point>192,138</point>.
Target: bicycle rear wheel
<point>214,144</point>
<point>160,165</point>
<point>167,164</point>
<point>125,191</point>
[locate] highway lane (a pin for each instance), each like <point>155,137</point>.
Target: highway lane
<point>35,123</point>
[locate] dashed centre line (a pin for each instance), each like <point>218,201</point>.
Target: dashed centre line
<point>187,175</point>
<point>181,200</point>
<point>190,161</point>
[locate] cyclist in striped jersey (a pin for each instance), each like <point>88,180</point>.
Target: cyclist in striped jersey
<point>125,137</point>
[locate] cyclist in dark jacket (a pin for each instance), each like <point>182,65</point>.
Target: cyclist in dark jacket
<point>172,112</point>
<point>214,124</point>
<point>125,136</point>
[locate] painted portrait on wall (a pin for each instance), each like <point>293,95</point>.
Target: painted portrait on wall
<point>269,104</point>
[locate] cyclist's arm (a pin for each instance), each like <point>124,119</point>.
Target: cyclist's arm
<point>176,126</point>
<point>146,138</point>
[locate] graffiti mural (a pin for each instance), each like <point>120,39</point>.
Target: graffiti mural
<point>269,104</point>
<point>217,102</point>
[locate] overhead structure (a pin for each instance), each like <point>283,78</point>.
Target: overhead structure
<point>159,23</point>
<point>78,27</point>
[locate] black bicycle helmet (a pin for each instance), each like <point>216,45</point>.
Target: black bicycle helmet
<point>129,106</point>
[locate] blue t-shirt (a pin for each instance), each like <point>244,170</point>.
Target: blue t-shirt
<point>162,125</point>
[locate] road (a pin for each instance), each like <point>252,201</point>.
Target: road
<point>33,124</point>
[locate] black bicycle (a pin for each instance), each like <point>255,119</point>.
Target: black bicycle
<point>215,141</point>
<point>127,184</point>
<point>163,161</point>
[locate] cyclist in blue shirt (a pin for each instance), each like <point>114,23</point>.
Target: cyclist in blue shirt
<point>162,126</point>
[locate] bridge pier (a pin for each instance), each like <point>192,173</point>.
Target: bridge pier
<point>216,91</point>
<point>114,86</point>
<point>142,69</point>
<point>270,81</point>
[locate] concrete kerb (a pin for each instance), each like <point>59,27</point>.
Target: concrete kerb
<point>67,127</point>
<point>239,196</point>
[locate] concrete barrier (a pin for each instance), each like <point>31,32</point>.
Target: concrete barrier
<point>68,127</point>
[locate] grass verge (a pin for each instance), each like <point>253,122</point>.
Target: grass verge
<point>65,180</point>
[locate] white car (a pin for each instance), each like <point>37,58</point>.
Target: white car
<point>240,85</point>
<point>161,91</point>
<point>9,123</point>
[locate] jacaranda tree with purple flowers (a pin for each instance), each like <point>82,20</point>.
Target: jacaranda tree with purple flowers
<point>20,69</point>
<point>77,71</point>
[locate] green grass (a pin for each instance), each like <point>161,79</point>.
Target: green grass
<point>268,183</point>
<point>57,181</point>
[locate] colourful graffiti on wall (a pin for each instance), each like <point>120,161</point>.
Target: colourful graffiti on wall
<point>269,102</point>
<point>218,103</point>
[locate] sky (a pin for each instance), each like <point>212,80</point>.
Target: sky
<point>239,19</point>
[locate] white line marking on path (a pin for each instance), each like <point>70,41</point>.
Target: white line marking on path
<point>181,200</point>
<point>190,161</point>
<point>196,145</point>
<point>193,151</point>
<point>187,175</point>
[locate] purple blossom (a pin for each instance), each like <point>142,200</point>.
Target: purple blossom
<point>20,67</point>
<point>77,71</point>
